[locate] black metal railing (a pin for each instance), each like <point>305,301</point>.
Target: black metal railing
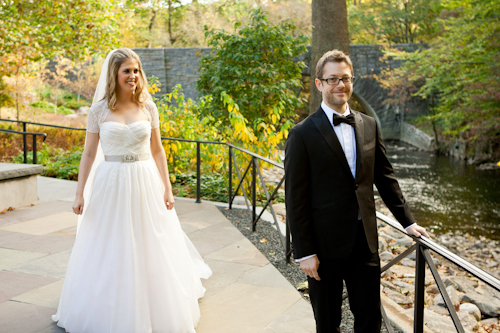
<point>26,133</point>
<point>422,246</point>
<point>25,145</point>
<point>254,167</point>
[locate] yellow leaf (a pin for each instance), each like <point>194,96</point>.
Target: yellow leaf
<point>273,118</point>
<point>263,240</point>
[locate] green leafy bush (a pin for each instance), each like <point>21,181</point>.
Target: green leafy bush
<point>44,105</point>
<point>72,104</point>
<point>64,110</point>
<point>56,163</point>
<point>253,71</point>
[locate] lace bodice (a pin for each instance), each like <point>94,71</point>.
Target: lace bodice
<point>99,111</point>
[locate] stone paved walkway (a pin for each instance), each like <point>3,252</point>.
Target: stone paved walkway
<point>245,294</point>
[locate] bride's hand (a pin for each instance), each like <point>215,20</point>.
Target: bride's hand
<point>169,199</point>
<point>78,205</point>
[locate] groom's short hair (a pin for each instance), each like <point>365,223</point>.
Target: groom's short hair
<point>332,56</point>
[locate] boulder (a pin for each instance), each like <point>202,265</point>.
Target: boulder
<point>405,242</point>
<point>468,321</point>
<point>395,233</point>
<point>279,209</point>
<point>398,298</point>
<point>408,262</point>
<point>489,322</point>
<point>382,246</point>
<point>404,285</point>
<point>386,256</point>
<point>472,309</point>
<point>82,110</point>
<point>388,273</point>
<point>441,324</point>
<point>438,300</point>
<point>439,309</point>
<point>387,284</point>
<point>487,290</point>
<point>239,200</point>
<point>488,305</point>
<point>432,289</point>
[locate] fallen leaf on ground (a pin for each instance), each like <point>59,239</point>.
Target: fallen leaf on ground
<point>263,240</point>
<point>303,286</point>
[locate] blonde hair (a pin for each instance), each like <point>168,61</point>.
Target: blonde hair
<point>332,56</point>
<point>116,60</point>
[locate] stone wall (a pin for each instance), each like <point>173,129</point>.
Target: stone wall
<point>181,65</point>
<point>174,66</point>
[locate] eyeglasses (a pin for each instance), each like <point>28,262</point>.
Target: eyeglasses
<point>333,81</point>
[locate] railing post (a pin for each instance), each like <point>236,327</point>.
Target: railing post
<point>230,177</point>
<point>25,146</point>
<point>34,149</point>
<point>198,173</point>
<point>254,194</point>
<point>418,317</point>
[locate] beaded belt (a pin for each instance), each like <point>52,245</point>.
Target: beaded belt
<point>126,158</point>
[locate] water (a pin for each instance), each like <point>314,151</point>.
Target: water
<point>447,194</point>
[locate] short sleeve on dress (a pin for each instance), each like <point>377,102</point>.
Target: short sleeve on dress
<point>155,117</point>
<point>92,121</point>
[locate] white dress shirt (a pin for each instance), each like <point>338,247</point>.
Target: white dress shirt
<point>345,134</point>
<point>347,138</point>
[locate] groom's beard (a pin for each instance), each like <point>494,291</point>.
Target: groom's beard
<point>332,99</point>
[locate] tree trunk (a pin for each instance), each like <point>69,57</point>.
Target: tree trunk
<point>55,104</point>
<point>17,93</point>
<point>330,31</point>
<point>172,39</point>
<point>152,25</point>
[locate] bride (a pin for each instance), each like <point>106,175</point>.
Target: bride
<point>132,268</point>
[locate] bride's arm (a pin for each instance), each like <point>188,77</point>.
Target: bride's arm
<point>158,154</point>
<point>88,157</point>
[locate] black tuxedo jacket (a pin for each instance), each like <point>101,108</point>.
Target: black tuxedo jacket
<point>322,197</point>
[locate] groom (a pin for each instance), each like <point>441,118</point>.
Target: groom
<point>332,160</point>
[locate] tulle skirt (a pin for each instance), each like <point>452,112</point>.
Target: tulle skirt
<point>132,268</point>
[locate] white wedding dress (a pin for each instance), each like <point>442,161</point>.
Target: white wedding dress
<point>132,268</point>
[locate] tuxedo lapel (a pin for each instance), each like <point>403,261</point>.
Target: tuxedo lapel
<point>360,139</point>
<point>325,127</point>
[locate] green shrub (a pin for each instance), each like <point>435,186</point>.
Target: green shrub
<point>72,104</point>
<point>44,105</point>
<point>56,163</point>
<point>213,187</point>
<point>64,110</point>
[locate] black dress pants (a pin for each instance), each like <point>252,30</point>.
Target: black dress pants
<point>361,273</point>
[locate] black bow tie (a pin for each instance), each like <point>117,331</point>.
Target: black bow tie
<point>341,119</point>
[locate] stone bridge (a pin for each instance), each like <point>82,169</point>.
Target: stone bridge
<point>180,66</point>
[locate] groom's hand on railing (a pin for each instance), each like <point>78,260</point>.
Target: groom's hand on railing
<point>310,267</point>
<point>417,231</point>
